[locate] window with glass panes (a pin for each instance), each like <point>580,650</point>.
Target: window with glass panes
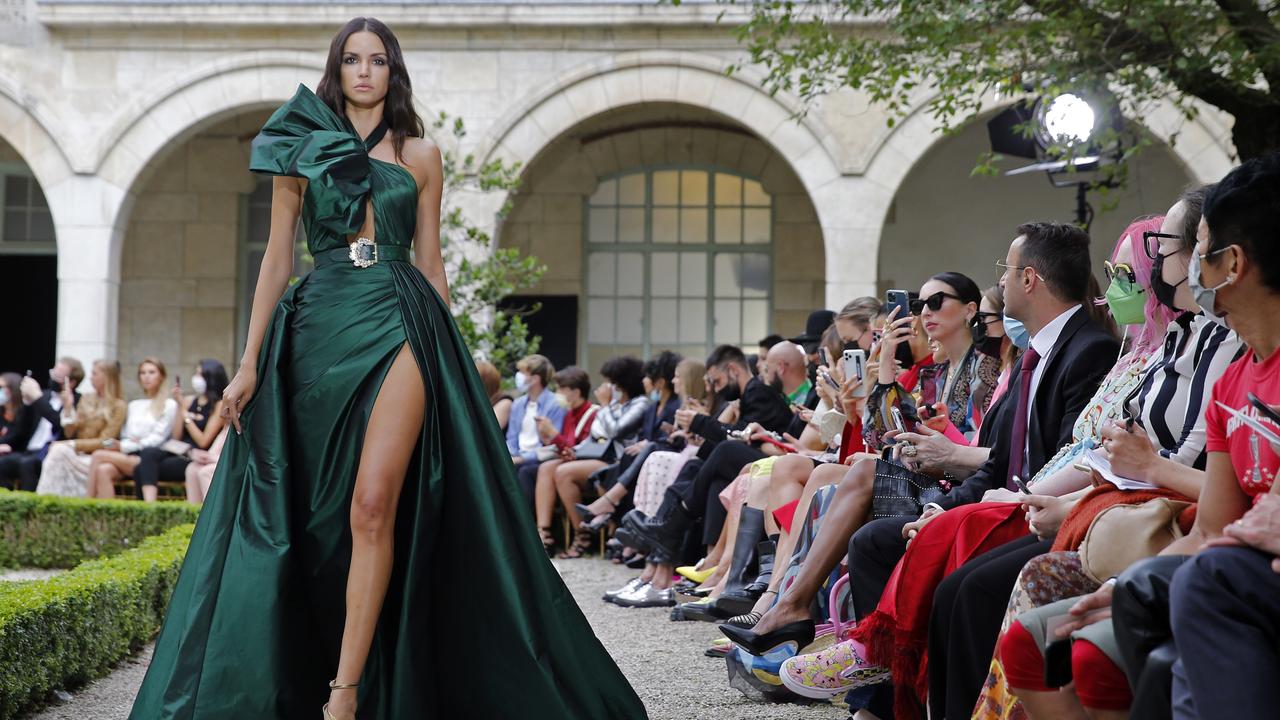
<point>26,225</point>
<point>677,258</point>
<point>255,229</point>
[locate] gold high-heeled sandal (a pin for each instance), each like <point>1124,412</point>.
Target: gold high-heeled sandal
<point>335,685</point>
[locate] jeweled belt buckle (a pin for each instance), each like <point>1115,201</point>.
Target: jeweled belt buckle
<point>363,253</point>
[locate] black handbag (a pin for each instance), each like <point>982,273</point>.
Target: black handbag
<point>899,492</point>
<point>594,449</point>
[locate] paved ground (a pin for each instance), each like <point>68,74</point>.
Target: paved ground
<point>663,660</point>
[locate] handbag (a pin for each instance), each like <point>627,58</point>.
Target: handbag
<point>551,452</point>
<point>899,492</point>
<point>595,449</point>
<point>1124,534</point>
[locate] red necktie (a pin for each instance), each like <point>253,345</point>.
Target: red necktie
<point>1019,450</point>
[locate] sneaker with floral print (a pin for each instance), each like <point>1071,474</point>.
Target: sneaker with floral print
<point>827,673</point>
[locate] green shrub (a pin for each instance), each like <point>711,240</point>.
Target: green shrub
<point>56,532</point>
<point>64,631</point>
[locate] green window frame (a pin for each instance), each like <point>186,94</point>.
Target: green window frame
<point>26,223</point>
<point>675,257</point>
<point>255,230</point>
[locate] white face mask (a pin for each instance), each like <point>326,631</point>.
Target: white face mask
<point>4,396</point>
<point>522,381</point>
<point>198,384</point>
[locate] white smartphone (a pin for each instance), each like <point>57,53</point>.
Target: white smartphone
<point>854,365</point>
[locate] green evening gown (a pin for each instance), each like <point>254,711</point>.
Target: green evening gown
<point>476,621</point>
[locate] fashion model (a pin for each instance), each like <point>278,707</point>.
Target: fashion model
<point>364,550</point>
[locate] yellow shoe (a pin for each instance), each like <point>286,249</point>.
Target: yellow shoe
<point>693,573</point>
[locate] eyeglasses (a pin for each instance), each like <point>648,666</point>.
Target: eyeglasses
<point>1120,271</point>
<point>1006,267</point>
<point>1153,248</point>
<point>933,302</point>
<point>987,318</point>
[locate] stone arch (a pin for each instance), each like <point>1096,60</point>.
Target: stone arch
<point>1201,147</point>
<point>35,137</point>
<point>656,76</point>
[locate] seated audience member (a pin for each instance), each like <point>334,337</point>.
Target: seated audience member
<point>659,375</point>
<point>694,495</point>
<point>198,474</point>
<point>538,478</point>
<point>533,377</point>
<point>148,424</point>
<point>194,428</point>
<point>498,398</point>
<point>1178,373</point>
<point>86,426</point>
<point>816,324</point>
<point>1235,279</point>
<point>17,423</point>
<point>1046,278</point>
<point>616,427</point>
<point>768,342</point>
<point>64,379</point>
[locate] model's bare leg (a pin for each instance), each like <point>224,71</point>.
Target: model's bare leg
<point>395,424</point>
<point>847,513</point>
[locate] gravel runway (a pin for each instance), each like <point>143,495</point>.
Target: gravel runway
<point>663,660</point>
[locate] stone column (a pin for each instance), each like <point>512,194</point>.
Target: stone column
<point>852,210</point>
<point>85,208</point>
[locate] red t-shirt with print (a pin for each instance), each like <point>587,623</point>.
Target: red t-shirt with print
<point>1253,458</point>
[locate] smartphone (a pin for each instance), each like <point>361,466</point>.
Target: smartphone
<point>177,380</point>
<point>830,380</point>
<point>854,364</point>
<point>897,419</point>
<point>1022,485</point>
<point>1257,404</point>
<point>898,299</point>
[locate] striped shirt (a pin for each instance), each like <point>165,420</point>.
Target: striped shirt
<point>1177,385</point>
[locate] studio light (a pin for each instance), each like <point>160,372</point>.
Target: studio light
<point>1067,119</point>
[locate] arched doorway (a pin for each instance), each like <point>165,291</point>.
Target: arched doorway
<point>28,268</point>
<point>665,226</point>
<point>944,218</point>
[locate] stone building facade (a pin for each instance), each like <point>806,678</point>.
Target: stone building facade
<point>647,167</point>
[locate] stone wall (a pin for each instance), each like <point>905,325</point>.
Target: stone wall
<point>180,263</point>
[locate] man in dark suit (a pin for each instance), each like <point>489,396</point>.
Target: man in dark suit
<point>687,500</point>
<point>1046,279</point>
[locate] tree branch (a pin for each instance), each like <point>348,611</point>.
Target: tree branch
<point>1258,33</point>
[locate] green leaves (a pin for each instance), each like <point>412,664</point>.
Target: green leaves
<point>1144,51</point>
<point>480,274</point>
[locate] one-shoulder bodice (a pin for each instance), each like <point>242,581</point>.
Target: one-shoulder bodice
<point>305,138</point>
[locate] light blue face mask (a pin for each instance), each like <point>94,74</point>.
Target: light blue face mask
<point>1206,298</point>
<point>1017,332</point>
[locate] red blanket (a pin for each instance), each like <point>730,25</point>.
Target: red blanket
<point>896,634</point>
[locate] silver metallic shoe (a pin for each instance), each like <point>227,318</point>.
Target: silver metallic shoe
<point>647,596</point>
<point>632,584</point>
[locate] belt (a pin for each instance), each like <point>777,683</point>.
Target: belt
<point>363,253</point>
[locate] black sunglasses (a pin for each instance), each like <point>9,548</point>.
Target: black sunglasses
<point>933,302</point>
<point>1153,248</point>
<point>986,318</point>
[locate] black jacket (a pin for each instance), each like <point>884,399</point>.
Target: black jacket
<point>759,403</point>
<point>1079,361</point>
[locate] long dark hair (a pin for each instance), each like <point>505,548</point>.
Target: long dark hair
<point>397,110</point>
<point>215,379</point>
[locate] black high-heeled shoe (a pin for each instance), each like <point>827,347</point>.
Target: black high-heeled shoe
<point>593,521</point>
<point>800,632</point>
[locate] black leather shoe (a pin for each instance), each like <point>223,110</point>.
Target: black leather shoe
<point>666,532</point>
<point>800,632</point>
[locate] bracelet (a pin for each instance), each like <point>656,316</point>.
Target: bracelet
<point>766,592</point>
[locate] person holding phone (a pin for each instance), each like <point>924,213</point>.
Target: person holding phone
<point>149,423</point>
<point>87,425</point>
<point>198,422</point>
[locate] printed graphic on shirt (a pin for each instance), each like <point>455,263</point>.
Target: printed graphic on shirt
<point>1260,470</point>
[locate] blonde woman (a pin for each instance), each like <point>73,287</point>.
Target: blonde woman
<point>149,423</point>
<point>86,425</point>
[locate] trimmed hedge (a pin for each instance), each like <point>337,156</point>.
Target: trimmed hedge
<point>64,631</point>
<point>56,532</point>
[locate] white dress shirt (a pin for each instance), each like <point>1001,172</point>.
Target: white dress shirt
<point>1044,342</point>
